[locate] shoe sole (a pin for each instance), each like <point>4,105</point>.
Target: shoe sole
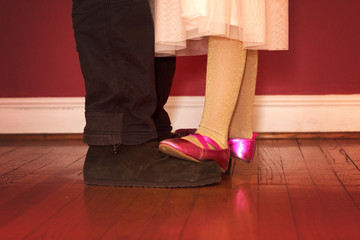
<point>114,183</point>
<point>234,157</point>
<point>176,153</point>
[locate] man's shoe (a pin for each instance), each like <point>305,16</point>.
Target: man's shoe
<point>144,166</point>
<point>168,136</point>
<point>182,132</point>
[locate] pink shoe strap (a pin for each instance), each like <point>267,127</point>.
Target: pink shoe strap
<point>254,136</point>
<point>204,140</point>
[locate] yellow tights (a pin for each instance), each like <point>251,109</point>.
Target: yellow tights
<point>230,90</point>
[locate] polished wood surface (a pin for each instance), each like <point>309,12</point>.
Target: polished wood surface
<point>294,189</point>
<point>262,135</point>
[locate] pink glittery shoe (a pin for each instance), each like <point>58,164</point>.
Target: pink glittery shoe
<point>184,149</point>
<point>242,148</point>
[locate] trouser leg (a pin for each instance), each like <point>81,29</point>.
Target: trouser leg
<point>115,42</point>
<point>164,73</point>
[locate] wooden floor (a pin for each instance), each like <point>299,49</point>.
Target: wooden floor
<point>294,189</point>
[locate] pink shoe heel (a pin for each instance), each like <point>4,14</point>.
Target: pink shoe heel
<point>187,150</point>
<point>242,148</point>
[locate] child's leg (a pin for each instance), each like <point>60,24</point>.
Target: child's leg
<point>225,68</point>
<point>241,123</point>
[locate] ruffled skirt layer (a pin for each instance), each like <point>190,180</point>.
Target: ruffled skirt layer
<point>182,26</point>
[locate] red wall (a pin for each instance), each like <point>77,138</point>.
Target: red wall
<point>38,57</point>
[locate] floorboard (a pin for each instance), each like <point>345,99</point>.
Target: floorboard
<point>310,219</point>
<point>331,183</point>
<point>293,189</point>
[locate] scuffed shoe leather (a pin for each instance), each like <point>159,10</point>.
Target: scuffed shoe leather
<point>144,166</point>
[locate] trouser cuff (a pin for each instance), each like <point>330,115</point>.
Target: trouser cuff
<point>107,129</point>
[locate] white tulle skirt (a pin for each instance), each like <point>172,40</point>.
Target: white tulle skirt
<point>182,26</point>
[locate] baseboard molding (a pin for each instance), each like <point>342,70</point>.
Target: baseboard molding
<point>290,113</point>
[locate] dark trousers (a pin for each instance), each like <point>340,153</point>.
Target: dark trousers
<point>126,87</point>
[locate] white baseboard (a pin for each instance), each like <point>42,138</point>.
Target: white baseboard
<point>290,113</point>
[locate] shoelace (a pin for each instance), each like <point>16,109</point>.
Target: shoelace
<point>116,149</point>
